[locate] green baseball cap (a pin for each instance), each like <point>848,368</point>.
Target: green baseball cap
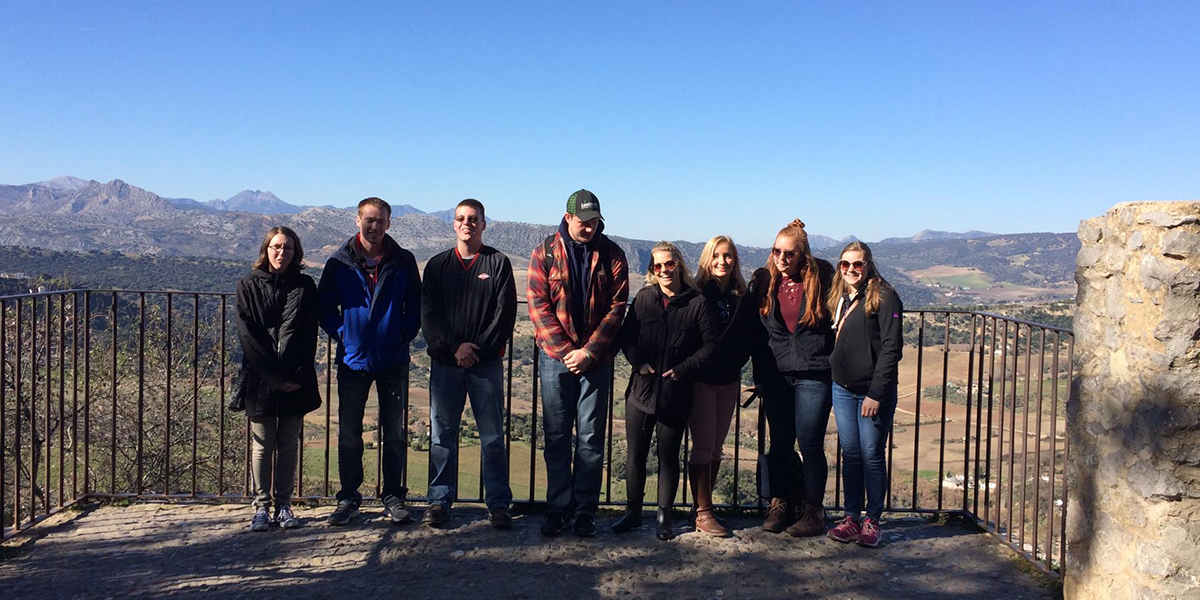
<point>585,205</point>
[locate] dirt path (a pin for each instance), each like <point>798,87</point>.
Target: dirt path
<point>192,550</point>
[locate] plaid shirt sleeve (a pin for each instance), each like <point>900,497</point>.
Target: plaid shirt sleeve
<point>548,330</point>
<point>603,338</point>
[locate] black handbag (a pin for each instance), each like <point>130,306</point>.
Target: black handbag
<point>237,403</point>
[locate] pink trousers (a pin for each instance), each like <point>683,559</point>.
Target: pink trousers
<point>712,411</point>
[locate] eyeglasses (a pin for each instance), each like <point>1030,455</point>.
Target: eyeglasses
<point>846,265</point>
<point>788,254</point>
<point>659,267</point>
<point>279,248</point>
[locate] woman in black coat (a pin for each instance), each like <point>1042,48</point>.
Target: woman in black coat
<point>668,338</point>
<point>868,323</point>
<point>791,372</point>
<point>716,390</point>
<point>277,314</point>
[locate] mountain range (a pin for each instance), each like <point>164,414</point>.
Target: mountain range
<point>71,214</point>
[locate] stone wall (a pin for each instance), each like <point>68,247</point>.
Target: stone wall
<point>1134,416</point>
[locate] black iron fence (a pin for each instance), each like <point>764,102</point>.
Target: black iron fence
<point>122,394</point>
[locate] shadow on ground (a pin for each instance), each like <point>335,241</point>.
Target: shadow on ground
<point>191,550</point>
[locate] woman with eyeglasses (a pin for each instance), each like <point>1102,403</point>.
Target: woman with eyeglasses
<point>668,338</point>
<point>868,325</point>
<point>715,392</point>
<point>791,372</point>
<point>277,315</point>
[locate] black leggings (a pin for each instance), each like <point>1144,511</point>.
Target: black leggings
<point>639,426</point>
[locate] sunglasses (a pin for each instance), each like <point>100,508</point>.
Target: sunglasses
<point>788,254</point>
<point>847,265</point>
<point>658,267</point>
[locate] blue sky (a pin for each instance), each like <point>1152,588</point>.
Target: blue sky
<point>687,119</point>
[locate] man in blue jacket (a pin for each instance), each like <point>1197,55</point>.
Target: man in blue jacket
<point>371,304</point>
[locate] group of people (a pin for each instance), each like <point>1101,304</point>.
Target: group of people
<point>820,337</point>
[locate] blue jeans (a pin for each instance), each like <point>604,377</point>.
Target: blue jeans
<point>579,401</point>
<point>392,388</point>
<point>864,441</point>
<point>798,414</point>
<point>449,386</point>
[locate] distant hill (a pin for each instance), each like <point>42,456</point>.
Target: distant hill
<point>70,214</point>
<point>928,235</point>
<point>256,201</point>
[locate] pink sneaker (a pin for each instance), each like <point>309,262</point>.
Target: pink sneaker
<point>844,531</point>
<point>869,537</point>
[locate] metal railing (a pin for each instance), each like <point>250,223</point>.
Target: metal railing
<point>122,394</point>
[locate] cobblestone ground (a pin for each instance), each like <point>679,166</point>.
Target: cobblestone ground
<point>191,550</point>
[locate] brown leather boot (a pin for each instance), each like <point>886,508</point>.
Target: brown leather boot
<point>778,516</point>
<point>706,517</point>
<point>811,521</point>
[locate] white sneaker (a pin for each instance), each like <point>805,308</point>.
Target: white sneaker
<point>261,520</point>
<point>286,518</point>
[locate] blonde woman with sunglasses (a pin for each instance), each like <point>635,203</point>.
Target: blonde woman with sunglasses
<point>669,339</point>
<point>715,393</point>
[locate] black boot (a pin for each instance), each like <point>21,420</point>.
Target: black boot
<point>630,520</point>
<point>663,530</point>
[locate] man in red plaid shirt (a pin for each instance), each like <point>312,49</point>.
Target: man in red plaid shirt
<point>578,289</point>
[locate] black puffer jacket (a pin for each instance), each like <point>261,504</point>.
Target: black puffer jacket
<point>277,318</point>
<point>733,317</point>
<point>679,336</point>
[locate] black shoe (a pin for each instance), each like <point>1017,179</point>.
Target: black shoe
<point>393,507</point>
<point>345,511</point>
<point>663,529</point>
<point>632,519</point>
<point>554,524</point>
<point>435,515</point>
<point>585,526</point>
<point>500,517</point>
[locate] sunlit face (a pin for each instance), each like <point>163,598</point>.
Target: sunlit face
<point>723,264</point>
<point>666,268</point>
<point>372,223</point>
<point>468,224</point>
<point>279,252</point>
<point>582,231</point>
<point>786,254</point>
<point>853,267</point>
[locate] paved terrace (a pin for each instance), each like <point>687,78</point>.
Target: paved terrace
<point>146,550</point>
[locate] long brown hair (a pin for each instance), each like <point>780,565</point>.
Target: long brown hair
<point>704,268</point>
<point>814,295</point>
<point>876,285</point>
<point>264,264</point>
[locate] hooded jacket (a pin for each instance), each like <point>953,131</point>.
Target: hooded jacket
<point>549,298</point>
<point>277,328</point>
<point>372,325</point>
<point>679,336</point>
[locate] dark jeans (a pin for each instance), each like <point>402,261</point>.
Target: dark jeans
<point>449,387</point>
<point>391,385</point>
<point>798,413</point>
<point>639,427</point>
<point>574,472</point>
<point>864,441</point>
